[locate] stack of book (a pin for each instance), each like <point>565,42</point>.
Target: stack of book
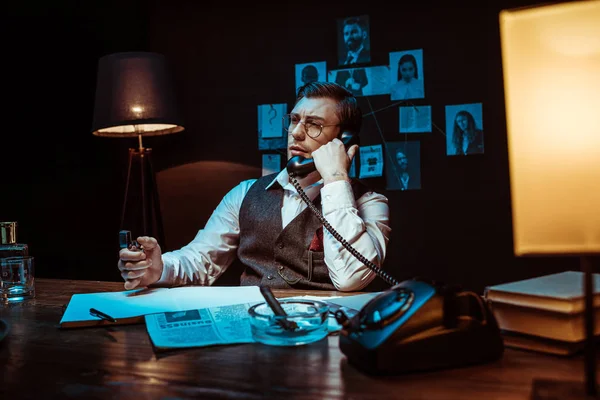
<point>545,313</point>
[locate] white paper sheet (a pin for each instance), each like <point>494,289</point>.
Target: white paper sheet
<point>134,303</point>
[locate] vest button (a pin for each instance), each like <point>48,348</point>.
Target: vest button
<point>269,277</point>
<point>280,245</point>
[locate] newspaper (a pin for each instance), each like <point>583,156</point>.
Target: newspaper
<point>201,327</point>
<point>217,325</point>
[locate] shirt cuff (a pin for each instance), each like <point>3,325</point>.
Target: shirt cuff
<point>336,196</point>
<point>168,272</point>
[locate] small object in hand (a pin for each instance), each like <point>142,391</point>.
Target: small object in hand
<point>125,242</point>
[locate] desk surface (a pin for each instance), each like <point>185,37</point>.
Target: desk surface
<point>39,360</point>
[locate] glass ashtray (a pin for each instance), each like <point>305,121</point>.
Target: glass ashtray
<point>305,322</point>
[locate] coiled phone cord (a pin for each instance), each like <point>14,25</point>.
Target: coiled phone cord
<point>378,271</point>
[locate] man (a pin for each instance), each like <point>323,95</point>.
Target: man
<point>354,80</point>
<point>403,174</point>
<point>263,229</point>
<point>309,74</point>
<point>355,39</point>
<point>403,177</point>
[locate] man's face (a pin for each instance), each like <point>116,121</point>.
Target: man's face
<point>320,111</point>
<point>308,76</point>
<point>401,160</point>
<point>354,36</point>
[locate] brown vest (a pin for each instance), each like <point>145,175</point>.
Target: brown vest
<point>280,258</point>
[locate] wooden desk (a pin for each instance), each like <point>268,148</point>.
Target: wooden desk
<point>38,361</point>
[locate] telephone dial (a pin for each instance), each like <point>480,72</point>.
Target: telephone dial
<point>416,325</point>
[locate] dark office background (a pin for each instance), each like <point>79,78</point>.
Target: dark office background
<point>65,186</point>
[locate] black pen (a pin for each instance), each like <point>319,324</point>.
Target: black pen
<point>101,315</point>
<point>277,309</point>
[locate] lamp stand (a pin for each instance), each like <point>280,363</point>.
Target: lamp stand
<point>142,194</point>
<point>555,390</point>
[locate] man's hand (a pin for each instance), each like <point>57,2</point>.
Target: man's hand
<point>141,268</point>
<point>333,161</point>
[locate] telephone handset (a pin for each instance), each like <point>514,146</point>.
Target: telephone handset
<point>415,325</point>
<point>300,166</point>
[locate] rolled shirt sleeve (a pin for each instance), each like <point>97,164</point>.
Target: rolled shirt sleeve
<point>364,224</point>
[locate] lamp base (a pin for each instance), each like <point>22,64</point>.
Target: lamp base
<point>141,208</point>
<point>543,389</point>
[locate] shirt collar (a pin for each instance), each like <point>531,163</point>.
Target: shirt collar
<point>283,179</point>
<point>354,54</point>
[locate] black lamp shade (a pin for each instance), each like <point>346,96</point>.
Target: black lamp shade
<point>134,96</point>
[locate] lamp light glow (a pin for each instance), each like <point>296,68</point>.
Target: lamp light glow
<point>551,66</point>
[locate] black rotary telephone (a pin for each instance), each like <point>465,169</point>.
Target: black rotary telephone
<point>416,325</point>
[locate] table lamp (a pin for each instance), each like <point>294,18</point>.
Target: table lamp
<point>135,98</point>
<point>551,68</point>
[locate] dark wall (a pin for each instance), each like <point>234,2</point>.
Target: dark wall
<point>62,184</point>
<point>65,186</point>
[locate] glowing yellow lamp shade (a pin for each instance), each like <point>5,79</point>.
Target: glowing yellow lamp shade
<point>551,67</point>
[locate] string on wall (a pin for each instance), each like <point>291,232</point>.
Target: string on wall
<point>403,81</point>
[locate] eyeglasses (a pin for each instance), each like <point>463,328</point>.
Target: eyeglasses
<point>312,129</point>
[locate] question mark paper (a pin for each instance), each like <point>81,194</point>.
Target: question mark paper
<point>270,123</point>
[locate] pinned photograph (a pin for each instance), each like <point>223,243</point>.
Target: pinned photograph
<point>354,42</point>
<point>371,161</point>
<point>464,129</point>
<point>271,163</point>
<point>406,75</point>
<point>352,170</point>
<point>414,119</point>
<point>271,134</point>
<point>403,165</point>
<point>368,81</point>
<point>310,72</point>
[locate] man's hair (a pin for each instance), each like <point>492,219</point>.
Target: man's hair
<point>355,21</point>
<point>347,111</point>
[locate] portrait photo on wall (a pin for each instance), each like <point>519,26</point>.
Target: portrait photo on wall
<point>406,75</point>
<point>270,126</point>
<point>353,79</point>
<point>310,72</point>
<point>354,42</point>
<point>271,163</point>
<point>403,165</point>
<point>414,119</point>
<point>464,129</point>
<point>352,170</point>
<point>371,161</point>
<point>367,81</point>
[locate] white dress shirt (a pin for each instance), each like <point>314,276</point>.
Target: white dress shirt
<point>364,223</point>
<point>403,90</point>
<point>352,57</point>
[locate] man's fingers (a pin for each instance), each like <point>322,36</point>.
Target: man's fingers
<point>352,151</point>
<point>128,255</point>
<point>132,284</point>
<point>129,266</point>
<point>147,242</point>
<point>129,275</point>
